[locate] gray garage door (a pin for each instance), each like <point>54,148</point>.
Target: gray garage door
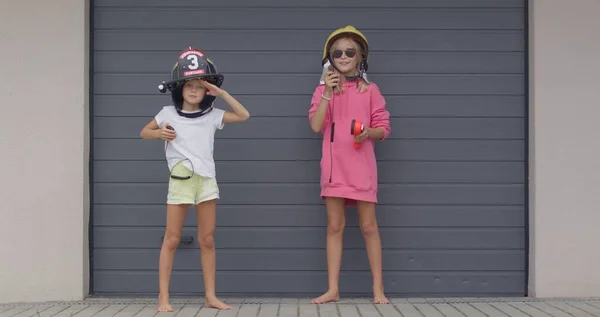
<point>452,213</point>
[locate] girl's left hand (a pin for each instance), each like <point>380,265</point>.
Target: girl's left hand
<point>211,89</point>
<point>361,137</point>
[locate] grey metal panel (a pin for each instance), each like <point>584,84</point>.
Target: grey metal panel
<point>283,18</point>
<point>315,260</point>
<point>312,237</point>
<point>308,172</point>
<point>452,173</point>
<point>316,3</point>
<point>280,40</point>
<point>315,216</point>
<point>309,149</point>
<point>304,61</point>
<point>245,192</point>
<point>280,84</point>
<point>307,283</point>
<point>407,106</point>
<point>299,128</point>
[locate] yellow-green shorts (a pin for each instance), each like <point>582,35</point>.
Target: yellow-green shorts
<point>191,191</point>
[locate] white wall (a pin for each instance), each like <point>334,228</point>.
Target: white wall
<point>565,148</point>
<point>44,146</point>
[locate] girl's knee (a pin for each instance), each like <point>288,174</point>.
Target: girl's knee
<point>368,221</point>
<point>206,241</point>
<point>336,217</point>
<point>335,226</point>
<point>171,240</point>
<point>369,228</point>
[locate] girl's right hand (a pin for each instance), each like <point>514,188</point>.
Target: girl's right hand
<point>166,134</point>
<point>332,80</point>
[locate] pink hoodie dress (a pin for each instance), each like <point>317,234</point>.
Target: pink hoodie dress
<point>348,172</point>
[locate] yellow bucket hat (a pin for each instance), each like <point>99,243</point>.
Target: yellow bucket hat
<point>348,30</point>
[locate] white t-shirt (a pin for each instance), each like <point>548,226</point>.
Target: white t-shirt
<point>194,140</point>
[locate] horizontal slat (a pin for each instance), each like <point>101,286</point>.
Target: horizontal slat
<point>314,283</point>
<point>297,194</point>
<point>283,18</point>
<point>311,238</point>
<point>310,149</point>
<point>299,128</point>
<point>309,172</point>
<point>309,62</point>
<point>316,216</point>
<point>337,4</point>
<point>244,40</point>
<point>279,84</point>
<point>314,260</point>
<point>297,105</point>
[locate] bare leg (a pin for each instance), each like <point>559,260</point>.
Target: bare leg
<point>370,231</point>
<point>206,215</point>
<point>175,218</point>
<point>336,221</point>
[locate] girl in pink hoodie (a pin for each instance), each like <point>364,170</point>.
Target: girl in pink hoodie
<point>349,173</point>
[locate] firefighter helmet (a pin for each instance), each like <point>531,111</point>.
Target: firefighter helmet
<point>192,64</point>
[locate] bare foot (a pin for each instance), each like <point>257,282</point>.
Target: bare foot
<point>213,302</point>
<point>379,298</point>
<point>329,296</point>
<point>163,304</point>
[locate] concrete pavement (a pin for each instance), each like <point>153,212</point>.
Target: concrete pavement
<point>284,307</point>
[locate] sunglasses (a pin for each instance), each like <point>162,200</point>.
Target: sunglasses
<point>338,53</point>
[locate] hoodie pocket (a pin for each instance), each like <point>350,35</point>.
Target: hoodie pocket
<point>353,169</point>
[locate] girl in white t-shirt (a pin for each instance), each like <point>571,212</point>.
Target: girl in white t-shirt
<point>188,128</point>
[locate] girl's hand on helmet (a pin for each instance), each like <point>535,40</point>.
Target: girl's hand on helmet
<point>211,89</point>
<point>166,134</point>
<point>332,80</point>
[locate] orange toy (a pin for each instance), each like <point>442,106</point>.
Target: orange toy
<point>356,128</point>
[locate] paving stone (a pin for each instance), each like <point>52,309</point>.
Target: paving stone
<point>488,309</point>
<point>308,310</point>
<point>448,310</point>
<point>408,310</point>
<point>572,311</point>
<point>591,309</point>
<point>369,310</point>
<point>331,309</point>
<point>288,310</point>
<point>509,310</point>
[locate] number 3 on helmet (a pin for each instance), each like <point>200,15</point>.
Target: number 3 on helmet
<point>191,64</point>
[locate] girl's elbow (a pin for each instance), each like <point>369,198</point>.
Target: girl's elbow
<point>245,115</point>
<point>386,133</point>
<point>317,123</point>
<point>316,127</point>
<point>387,130</point>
